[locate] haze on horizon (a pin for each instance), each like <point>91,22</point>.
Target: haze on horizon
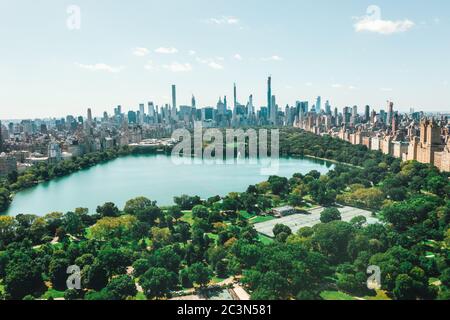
<point>351,53</point>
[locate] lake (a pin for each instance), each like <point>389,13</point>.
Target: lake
<point>156,177</point>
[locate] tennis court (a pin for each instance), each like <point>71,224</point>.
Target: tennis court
<point>298,221</point>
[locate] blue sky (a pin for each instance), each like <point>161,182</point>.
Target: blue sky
<point>131,52</point>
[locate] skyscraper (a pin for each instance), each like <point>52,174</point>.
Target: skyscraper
<point>193,103</point>
<point>1,138</point>
<point>367,114</point>
<point>141,113</point>
<point>235,99</point>
<point>269,95</point>
<point>318,104</point>
<point>89,116</point>
<point>327,107</point>
<point>250,107</point>
<point>355,111</point>
<point>151,110</point>
<point>390,113</point>
<point>273,110</point>
<point>174,97</point>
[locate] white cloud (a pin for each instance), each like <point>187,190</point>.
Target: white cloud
<point>192,53</point>
<point>178,67</point>
<point>237,56</point>
<point>141,52</point>
<point>100,67</point>
<point>386,89</point>
<point>210,63</point>
<point>149,66</point>
<point>336,85</point>
<point>215,65</point>
<point>164,50</point>
<point>273,58</point>
<point>308,84</point>
<point>224,20</point>
<point>385,27</point>
<point>352,88</point>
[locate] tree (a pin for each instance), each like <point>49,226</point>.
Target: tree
<point>4,199</point>
<point>200,274</point>
<point>273,285</point>
<point>158,282</point>
<point>330,214</point>
<point>114,228</point>
<point>109,209</point>
<point>135,205</point>
<point>371,198</point>
<point>73,223</point>
<point>7,227</point>
<point>353,283</point>
<point>184,278</point>
<point>406,214</point>
<point>166,257</point>
<point>200,212</point>
<point>175,212</point>
<point>23,276</point>
<point>404,288</point>
<point>113,260</point>
<point>72,294</point>
<point>58,273</point>
<point>445,277</point>
<point>186,202</point>
<point>103,294</point>
<point>139,267</point>
<point>281,228</point>
<point>95,276</point>
<point>331,239</point>
<point>121,287</point>
<point>149,214</point>
<point>278,185</point>
<point>160,236</point>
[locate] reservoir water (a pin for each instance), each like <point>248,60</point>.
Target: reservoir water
<point>156,177</point>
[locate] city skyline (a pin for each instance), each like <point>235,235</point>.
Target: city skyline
<point>349,54</point>
<point>271,105</point>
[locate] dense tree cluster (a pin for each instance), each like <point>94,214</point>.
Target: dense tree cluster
<point>144,250</point>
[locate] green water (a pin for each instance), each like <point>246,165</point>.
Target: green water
<point>153,176</point>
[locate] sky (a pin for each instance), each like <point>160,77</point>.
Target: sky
<point>60,57</point>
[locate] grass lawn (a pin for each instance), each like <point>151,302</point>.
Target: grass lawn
<point>265,239</point>
<point>140,296</point>
<point>187,217</point>
<point>216,279</point>
<point>213,236</point>
<point>88,234</point>
<point>246,215</point>
<point>260,219</point>
<point>52,293</point>
<point>381,295</point>
<point>335,295</point>
<point>2,287</point>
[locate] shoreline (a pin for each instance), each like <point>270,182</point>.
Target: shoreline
<point>297,160</point>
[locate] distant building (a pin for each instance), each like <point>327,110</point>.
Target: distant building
<point>8,164</point>
<point>283,211</point>
<point>429,147</point>
<point>54,153</point>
